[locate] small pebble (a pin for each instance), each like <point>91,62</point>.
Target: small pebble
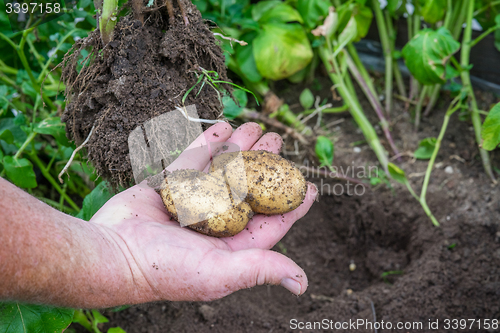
<point>352,267</point>
<point>448,170</point>
<point>357,150</point>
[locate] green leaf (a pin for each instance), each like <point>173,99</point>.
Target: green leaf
<point>94,201</point>
<point>262,7</point>
<point>53,126</point>
<point>313,11</point>
<point>396,173</point>
<point>17,317</point>
<point>281,13</point>
<point>363,16</point>
<point>231,109</point>
<point>425,149</point>
<point>451,72</point>
<point>281,50</point>
<point>428,52</point>
<point>246,61</point>
<point>394,5</point>
<point>28,89</point>
<point>6,135</point>
<point>324,150</point>
<point>200,4</point>
<point>98,317</point>
<point>347,35</point>
<point>80,318</point>
<point>300,75</point>
<point>116,330</point>
<point>491,129</point>
<point>20,171</point>
<point>306,99</point>
<point>433,10</point>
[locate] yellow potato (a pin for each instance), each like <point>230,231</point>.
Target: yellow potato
<point>268,182</point>
<point>203,203</point>
<point>238,185</point>
<point>226,224</point>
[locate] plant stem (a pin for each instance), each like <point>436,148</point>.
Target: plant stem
<point>20,52</point>
<point>51,180</point>
<point>38,58</point>
<point>491,4</point>
<point>373,101</point>
<point>399,79</point>
<point>434,97</point>
<point>461,15</point>
<point>108,20</point>
<point>449,12</point>
<point>355,108</point>
<point>339,109</point>
<point>386,46</point>
<point>7,69</point>
<point>414,84</point>
<point>395,68</point>
<point>418,108</point>
<point>430,166</point>
<point>25,144</point>
<point>52,57</point>
<point>362,69</point>
<point>56,205</point>
<point>484,34</point>
<point>261,88</point>
<point>465,75</point>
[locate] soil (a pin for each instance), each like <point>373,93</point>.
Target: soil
<point>346,242</point>
<point>143,72</point>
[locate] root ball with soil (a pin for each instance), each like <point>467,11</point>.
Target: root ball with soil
<point>153,59</point>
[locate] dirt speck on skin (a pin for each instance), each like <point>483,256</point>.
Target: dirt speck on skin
<point>144,72</point>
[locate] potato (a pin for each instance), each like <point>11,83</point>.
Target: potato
<point>273,185</point>
<point>202,202</point>
<point>226,224</point>
<point>238,185</point>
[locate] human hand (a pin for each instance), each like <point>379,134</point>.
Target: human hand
<point>168,262</point>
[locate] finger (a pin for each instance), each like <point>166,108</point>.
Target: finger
<point>246,135</point>
<point>198,153</point>
<point>232,271</point>
<point>243,138</point>
<point>271,142</point>
<point>264,232</point>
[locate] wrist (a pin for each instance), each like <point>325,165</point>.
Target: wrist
<point>119,270</point>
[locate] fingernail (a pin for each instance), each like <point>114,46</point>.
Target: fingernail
<point>313,191</point>
<point>292,285</point>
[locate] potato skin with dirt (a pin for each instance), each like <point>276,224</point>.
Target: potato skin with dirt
<point>273,184</point>
<point>202,202</point>
<point>238,185</point>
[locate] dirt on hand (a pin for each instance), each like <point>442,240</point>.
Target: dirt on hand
<point>143,72</point>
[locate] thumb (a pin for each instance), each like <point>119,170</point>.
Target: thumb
<point>248,268</point>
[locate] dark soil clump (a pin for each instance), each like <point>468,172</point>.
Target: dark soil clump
<point>143,72</point>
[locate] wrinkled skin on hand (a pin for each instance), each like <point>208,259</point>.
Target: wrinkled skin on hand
<point>178,264</point>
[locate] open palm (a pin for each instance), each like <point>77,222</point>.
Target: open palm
<point>173,263</point>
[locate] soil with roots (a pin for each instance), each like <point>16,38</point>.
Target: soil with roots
<point>143,72</point>
<point>349,240</point>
